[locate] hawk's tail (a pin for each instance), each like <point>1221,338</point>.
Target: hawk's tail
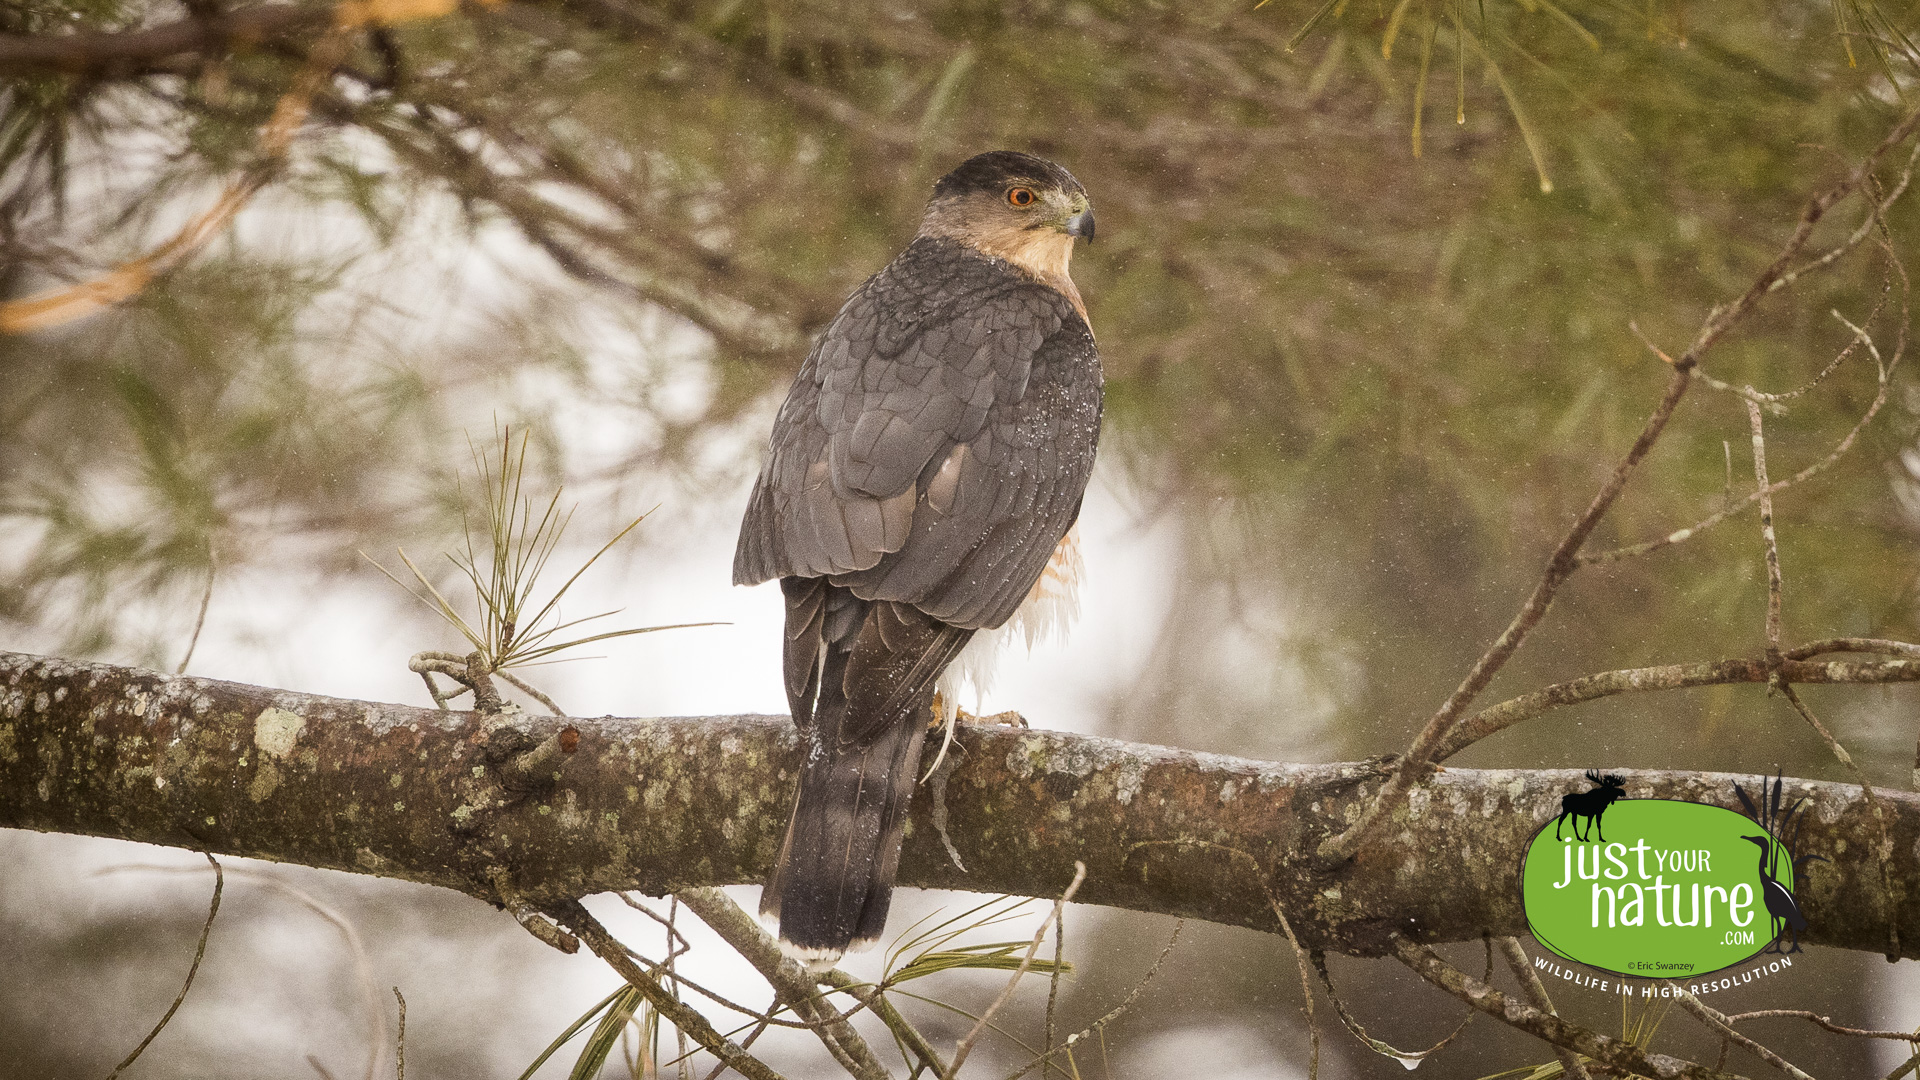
<point>870,686</point>
<point>832,886</point>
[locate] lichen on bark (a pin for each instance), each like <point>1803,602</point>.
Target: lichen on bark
<point>665,804</point>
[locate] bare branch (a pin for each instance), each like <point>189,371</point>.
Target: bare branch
<point>1766,530</point>
<point>1853,645</point>
<point>1884,852</point>
<point>1621,1055</point>
<point>1885,367</point>
<point>1536,992</point>
<point>1718,1023</point>
<point>1671,677</point>
<point>871,997</point>
<point>1721,320</point>
<point>200,620</point>
<point>1413,765</point>
<point>199,953</point>
<point>400,1042</point>
<point>1682,535</point>
<point>965,1046</point>
<point>536,695</point>
<point>1111,1014</point>
<point>789,980</point>
<point>1560,565</point>
<point>1407,1058</point>
<point>1825,1022</point>
<point>1840,250</point>
<point>578,919</point>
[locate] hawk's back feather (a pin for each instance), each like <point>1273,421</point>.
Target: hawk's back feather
<point>944,360</point>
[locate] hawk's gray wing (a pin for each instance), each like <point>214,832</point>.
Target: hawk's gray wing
<point>936,444</point>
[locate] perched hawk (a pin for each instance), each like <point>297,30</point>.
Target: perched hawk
<point>925,467</point>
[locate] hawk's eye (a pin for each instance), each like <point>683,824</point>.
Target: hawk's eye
<point>1020,196</point>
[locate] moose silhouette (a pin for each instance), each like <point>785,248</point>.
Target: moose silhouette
<point>1590,804</point>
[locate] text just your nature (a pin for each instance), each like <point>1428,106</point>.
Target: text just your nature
<point>1626,903</point>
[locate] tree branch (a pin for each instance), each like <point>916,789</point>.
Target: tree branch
<point>1412,765</point>
<point>1536,992</point>
<point>787,977</point>
<point>1623,1055</point>
<point>667,804</point>
<point>1673,677</point>
<point>1717,1023</point>
<point>1560,566</point>
<point>135,52</point>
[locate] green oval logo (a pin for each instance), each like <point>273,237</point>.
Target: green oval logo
<point>1657,889</point>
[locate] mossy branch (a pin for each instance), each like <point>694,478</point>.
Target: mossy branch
<point>661,805</point>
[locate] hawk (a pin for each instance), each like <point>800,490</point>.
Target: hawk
<point>926,468</point>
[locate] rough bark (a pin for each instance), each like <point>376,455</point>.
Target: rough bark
<point>665,804</point>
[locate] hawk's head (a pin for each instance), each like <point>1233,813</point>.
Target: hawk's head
<point>1014,206</point>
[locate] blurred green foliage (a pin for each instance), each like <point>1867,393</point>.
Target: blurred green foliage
<point>1366,388</point>
<point>1372,386</point>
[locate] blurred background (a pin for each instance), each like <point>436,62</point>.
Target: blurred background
<point>1363,303</point>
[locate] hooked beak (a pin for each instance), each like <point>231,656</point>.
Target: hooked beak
<point>1081,224</point>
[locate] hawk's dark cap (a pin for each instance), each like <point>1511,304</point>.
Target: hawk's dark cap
<point>995,169</point>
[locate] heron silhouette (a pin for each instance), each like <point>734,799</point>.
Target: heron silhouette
<point>1787,920</point>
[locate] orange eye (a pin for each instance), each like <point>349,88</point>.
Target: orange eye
<point>1020,196</point>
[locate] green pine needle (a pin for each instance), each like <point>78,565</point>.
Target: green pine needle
<point>520,540</point>
<point>572,1030</point>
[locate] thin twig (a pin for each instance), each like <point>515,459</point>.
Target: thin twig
<point>1825,1022</point>
<point>200,620</point>
<point>604,945</point>
<point>1053,988</point>
<point>1723,319</point>
<point>532,693</point>
<point>1885,367</point>
<point>1412,766</point>
<point>965,1046</point>
<point>400,1047</point>
<point>1852,645</point>
<point>788,978</point>
<point>673,979</point>
<point>677,943</point>
<point>362,966</point>
<point>660,969</point>
<point>1718,1023</point>
<point>1620,1055</point>
<point>1112,1014</point>
<point>1408,1058</point>
<point>199,951</point>
<point>1517,710</point>
<point>1873,803</point>
<point>873,998</point>
<point>1701,374</point>
<point>1866,227</point>
<point>1306,988</point>
<point>1757,427</point>
<point>1536,992</point>
<point>1773,402</point>
<point>757,1031</point>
